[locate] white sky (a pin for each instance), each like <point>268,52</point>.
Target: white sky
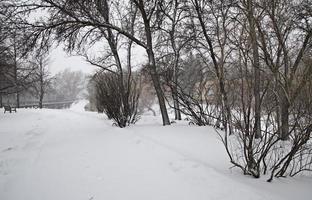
<point>60,60</point>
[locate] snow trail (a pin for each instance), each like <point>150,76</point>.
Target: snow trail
<point>75,155</point>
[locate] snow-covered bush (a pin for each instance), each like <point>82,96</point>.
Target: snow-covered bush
<point>270,154</point>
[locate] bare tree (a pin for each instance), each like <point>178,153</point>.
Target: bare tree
<point>283,50</point>
<point>68,18</point>
<point>251,70</point>
<point>218,13</point>
<point>66,85</point>
<point>256,65</point>
<point>175,34</point>
<point>16,72</point>
<point>44,79</point>
<point>149,16</point>
<point>270,152</point>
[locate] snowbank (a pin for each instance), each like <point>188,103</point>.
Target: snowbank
<point>79,105</point>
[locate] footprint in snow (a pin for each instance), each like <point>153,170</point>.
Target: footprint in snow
<point>183,164</point>
<point>175,167</point>
<point>34,132</point>
<point>8,149</point>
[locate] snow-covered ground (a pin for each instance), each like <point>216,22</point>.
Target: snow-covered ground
<point>76,155</point>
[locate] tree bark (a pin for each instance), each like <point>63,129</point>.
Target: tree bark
<point>177,112</point>
<point>157,86</point>
<point>40,101</point>
<point>176,106</point>
<point>256,68</point>
<point>284,117</point>
<point>15,73</point>
<point>1,104</point>
<point>152,63</point>
<point>41,88</point>
<point>110,37</point>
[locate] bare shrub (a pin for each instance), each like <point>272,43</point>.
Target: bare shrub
<point>118,101</point>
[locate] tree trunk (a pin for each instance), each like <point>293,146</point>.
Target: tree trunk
<point>157,86</point>
<point>41,92</point>
<point>256,68</point>
<point>177,112</point>
<point>174,90</point>
<point>40,101</point>
<point>284,118</point>
<point>1,104</point>
<point>16,86</point>
<point>152,63</point>
<point>17,99</point>
<point>278,118</point>
<point>15,73</point>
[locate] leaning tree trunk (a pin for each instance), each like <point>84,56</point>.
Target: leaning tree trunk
<point>152,64</point>
<point>110,37</point>
<point>157,86</point>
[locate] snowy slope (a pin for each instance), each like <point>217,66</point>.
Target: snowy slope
<point>76,155</point>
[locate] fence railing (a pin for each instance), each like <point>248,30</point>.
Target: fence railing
<point>50,104</point>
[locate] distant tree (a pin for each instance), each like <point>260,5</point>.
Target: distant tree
<point>67,85</point>
<point>43,78</point>
<point>17,73</point>
<point>6,69</point>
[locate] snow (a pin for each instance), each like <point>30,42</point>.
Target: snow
<point>79,105</point>
<point>76,155</point>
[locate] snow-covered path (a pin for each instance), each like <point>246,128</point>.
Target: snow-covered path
<point>73,155</point>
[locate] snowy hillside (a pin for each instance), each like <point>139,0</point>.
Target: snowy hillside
<point>76,155</point>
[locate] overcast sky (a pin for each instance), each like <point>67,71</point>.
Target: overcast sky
<point>60,60</point>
